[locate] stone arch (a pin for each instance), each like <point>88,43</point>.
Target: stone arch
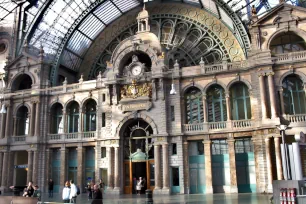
<point>117,57</point>
<point>196,85</point>
<point>237,80</point>
<point>13,80</point>
<point>301,75</point>
<point>136,116</point>
<point>55,102</point>
<point>85,100</point>
<point>19,106</point>
<point>70,101</point>
<point>299,32</point>
<point>214,83</point>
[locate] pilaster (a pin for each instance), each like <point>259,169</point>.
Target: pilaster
<point>166,189</point>
<point>208,167</point>
<point>30,166</point>
<point>32,119</point>
<point>263,96</point>
<point>7,123</point>
<point>63,173</point>
<point>157,169</point>
<point>3,120</point>
<point>81,167</point>
<point>232,161</point>
<point>37,121</point>
<point>272,95</point>
<point>117,171</point>
<point>110,169</point>
<point>269,164</point>
<point>278,157</point>
<point>35,167</point>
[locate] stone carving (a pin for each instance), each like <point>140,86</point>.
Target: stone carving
<point>136,90</point>
<point>135,106</point>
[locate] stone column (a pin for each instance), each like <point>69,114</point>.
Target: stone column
<point>204,108</point>
<point>278,157</point>
<point>30,166</point>
<point>65,118</point>
<point>8,118</point>
<point>3,120</point>
<point>81,167</point>
<point>157,167</point>
<point>117,170</point>
<point>228,107</point>
<point>208,167</point>
<point>110,168</point>
<point>63,169</point>
<point>232,161</point>
<point>282,106</point>
<point>186,165</point>
<point>32,120</point>
<point>48,167</point>
<point>269,164</point>
<point>165,167</point>
<point>1,166</point>
<point>11,169</point>
<point>272,95</point>
<point>81,125</point>
<point>15,126</point>
<point>4,170</point>
<point>35,167</point>
<point>263,96</point>
<point>37,121</point>
<point>251,103</point>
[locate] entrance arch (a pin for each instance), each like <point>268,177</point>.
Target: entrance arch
<point>138,154</point>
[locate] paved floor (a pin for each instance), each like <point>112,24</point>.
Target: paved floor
<point>175,199</point>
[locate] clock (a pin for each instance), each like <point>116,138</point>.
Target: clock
<point>136,70</point>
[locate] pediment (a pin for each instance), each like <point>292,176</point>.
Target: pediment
<point>23,60</point>
<point>282,13</point>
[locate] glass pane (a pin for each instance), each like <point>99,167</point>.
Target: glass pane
<point>152,175</point>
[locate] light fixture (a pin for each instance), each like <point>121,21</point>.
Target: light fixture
<point>172,91</point>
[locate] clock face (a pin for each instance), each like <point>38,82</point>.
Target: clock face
<point>136,70</point>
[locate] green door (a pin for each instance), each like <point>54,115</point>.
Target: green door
<point>175,180</point>
<point>245,168</point>
<point>220,173</point>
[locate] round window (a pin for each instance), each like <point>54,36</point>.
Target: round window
<point>3,47</point>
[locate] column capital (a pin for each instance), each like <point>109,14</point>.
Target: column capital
<point>230,140</point>
<point>206,142</point>
<point>270,74</point>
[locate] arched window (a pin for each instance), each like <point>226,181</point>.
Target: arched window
<point>22,121</point>
<point>22,82</point>
<point>216,104</point>
<point>57,123</point>
<point>194,106</point>
<point>90,116</point>
<point>294,95</point>
<point>166,32</point>
<point>73,117</point>
<point>240,102</point>
<point>287,42</point>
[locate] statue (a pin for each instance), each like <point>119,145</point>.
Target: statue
<point>254,11</point>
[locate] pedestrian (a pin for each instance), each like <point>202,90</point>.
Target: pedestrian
<point>73,192</point>
<point>101,185</point>
<point>139,186</point>
<point>89,192</point>
<point>66,192</point>
<point>97,195</point>
<point>50,188</point>
<point>29,190</point>
<point>37,192</point>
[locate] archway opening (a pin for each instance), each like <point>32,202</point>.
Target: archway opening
<point>138,154</point>
<point>287,42</point>
<point>22,82</point>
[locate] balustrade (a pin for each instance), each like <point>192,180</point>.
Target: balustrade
<point>19,138</point>
<point>72,136</point>
<point>194,127</point>
<point>241,123</point>
<point>296,118</point>
<point>217,125</point>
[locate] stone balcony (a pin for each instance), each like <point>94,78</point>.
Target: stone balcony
<point>72,137</point>
<point>223,126</point>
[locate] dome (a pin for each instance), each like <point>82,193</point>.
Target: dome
<point>143,14</point>
<point>150,38</point>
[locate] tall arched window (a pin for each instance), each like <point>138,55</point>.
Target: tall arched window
<point>73,117</point>
<point>90,116</point>
<point>287,42</point>
<point>57,123</point>
<point>240,102</point>
<point>194,106</point>
<point>22,121</point>
<point>22,82</point>
<point>216,104</point>
<point>294,95</point>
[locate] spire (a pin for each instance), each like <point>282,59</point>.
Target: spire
<point>143,20</point>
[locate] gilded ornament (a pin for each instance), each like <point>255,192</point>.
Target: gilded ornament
<point>136,90</point>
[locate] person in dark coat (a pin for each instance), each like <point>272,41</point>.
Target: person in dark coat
<point>28,192</point>
<point>97,195</point>
<point>50,188</point>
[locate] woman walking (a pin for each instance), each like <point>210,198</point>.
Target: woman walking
<point>66,192</point>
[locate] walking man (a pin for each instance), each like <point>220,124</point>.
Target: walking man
<point>50,188</point>
<point>73,192</point>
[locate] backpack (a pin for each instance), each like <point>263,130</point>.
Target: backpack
<point>78,191</point>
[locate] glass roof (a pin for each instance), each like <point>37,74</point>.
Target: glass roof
<point>67,28</point>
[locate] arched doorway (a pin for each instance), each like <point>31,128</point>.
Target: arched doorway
<point>138,154</point>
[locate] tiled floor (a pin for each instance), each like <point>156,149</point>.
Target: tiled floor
<point>179,199</point>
